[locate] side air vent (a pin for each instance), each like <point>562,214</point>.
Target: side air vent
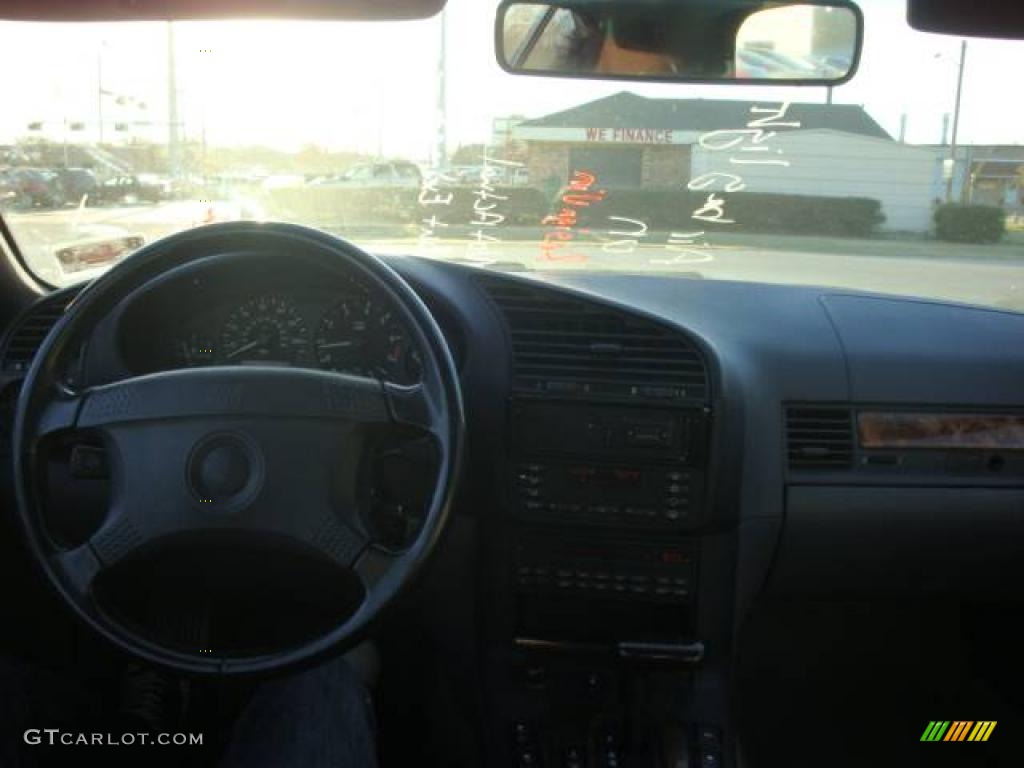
<point>571,347</point>
<point>819,437</point>
<point>29,331</point>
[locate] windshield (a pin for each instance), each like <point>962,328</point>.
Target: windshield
<point>407,138</point>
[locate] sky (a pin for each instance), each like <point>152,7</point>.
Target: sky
<point>372,86</point>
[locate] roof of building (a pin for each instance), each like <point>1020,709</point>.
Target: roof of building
<point>628,110</point>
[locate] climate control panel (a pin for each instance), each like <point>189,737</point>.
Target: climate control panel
<point>630,495</point>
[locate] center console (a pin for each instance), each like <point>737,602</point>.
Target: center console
<point>600,565</point>
<point>604,496</point>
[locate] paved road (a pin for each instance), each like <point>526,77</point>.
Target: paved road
<point>995,282</point>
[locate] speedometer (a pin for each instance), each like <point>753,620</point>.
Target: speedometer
<point>365,338</point>
<point>265,329</point>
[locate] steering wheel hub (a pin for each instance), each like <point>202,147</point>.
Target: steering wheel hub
<point>225,471</point>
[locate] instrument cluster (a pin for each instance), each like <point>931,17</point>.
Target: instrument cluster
<point>353,332</point>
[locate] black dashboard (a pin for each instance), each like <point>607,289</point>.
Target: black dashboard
<point>650,454</point>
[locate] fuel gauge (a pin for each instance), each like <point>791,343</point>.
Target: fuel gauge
<point>197,349</point>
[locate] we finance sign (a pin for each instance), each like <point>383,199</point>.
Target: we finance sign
<point>631,135</point>
<point>598,135</point>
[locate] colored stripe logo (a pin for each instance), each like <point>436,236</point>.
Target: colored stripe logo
<point>958,730</point>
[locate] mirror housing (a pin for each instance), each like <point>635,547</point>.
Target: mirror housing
<point>743,42</point>
<point>214,10</point>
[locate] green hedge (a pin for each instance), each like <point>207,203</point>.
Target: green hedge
<point>970,223</point>
<point>523,206</point>
<point>663,209</point>
<point>751,212</point>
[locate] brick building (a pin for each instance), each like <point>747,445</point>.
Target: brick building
<point>835,150</point>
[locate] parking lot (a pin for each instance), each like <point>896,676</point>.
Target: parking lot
<point>984,274</point>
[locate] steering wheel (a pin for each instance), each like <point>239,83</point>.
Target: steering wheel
<point>235,449</point>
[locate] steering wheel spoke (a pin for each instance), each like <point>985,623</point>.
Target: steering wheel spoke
<point>412,406</point>
<point>375,566</point>
<point>236,392</point>
<point>58,413</point>
<point>123,532</point>
<point>79,567</point>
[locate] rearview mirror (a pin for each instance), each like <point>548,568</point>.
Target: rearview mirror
<point>696,41</point>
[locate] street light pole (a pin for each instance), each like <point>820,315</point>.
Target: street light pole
<point>173,145</point>
<point>442,102</point>
<point>956,125</point>
<point>99,91</point>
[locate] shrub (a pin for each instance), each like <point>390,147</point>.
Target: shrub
<point>970,223</point>
<point>759,212</point>
<point>521,206</point>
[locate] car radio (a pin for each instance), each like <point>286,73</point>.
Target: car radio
<point>678,436</point>
<point>607,465</point>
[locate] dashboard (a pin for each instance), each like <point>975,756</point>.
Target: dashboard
<point>649,455</point>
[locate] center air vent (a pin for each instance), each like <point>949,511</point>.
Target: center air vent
<point>819,437</point>
<point>571,347</point>
<point>29,331</point>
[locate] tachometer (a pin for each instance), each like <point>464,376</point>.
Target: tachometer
<point>265,329</point>
<point>360,337</point>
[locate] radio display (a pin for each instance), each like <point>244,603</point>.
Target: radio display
<point>605,479</point>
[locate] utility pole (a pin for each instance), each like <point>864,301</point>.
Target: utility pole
<point>99,90</point>
<point>173,144</point>
<point>956,124</point>
<point>442,101</point>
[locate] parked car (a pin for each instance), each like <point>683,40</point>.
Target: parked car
<point>76,183</point>
<point>149,188</point>
<point>26,188</point>
<point>397,173</point>
<point>750,65</point>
